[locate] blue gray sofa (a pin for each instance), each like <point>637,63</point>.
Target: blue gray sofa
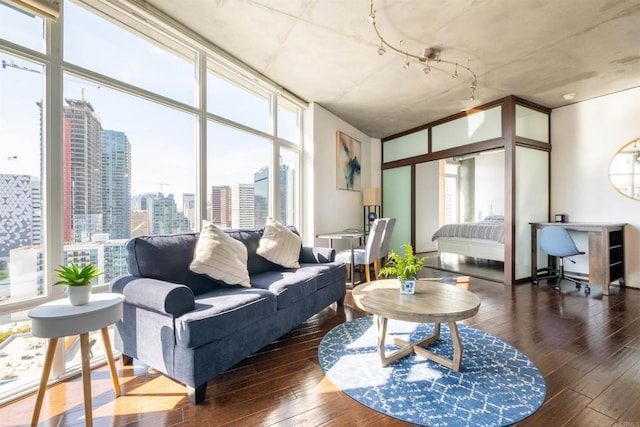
<point>192,327</point>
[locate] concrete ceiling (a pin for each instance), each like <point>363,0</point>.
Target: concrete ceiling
<point>325,52</point>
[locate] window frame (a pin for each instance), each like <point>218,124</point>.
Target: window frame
<point>150,20</point>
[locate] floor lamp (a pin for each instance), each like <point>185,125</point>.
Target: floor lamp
<point>371,202</point>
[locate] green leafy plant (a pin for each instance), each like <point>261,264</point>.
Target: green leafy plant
<point>405,267</point>
<point>74,276</point>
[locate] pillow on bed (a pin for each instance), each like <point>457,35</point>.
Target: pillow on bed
<point>494,218</point>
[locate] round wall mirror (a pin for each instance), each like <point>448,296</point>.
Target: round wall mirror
<point>624,170</point>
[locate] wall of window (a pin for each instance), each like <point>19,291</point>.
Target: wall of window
<point>137,130</point>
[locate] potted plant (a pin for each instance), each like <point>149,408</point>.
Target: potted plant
<point>78,281</point>
<point>404,267</point>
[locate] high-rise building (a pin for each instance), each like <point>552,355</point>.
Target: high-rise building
<point>116,184</point>
<point>162,215</point>
<point>20,211</point>
<point>82,146</point>
<point>189,209</point>
<point>261,196</point>
<point>242,206</point>
<point>115,259</point>
<point>220,212</point>
<point>286,194</point>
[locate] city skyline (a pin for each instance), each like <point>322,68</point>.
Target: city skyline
<point>142,89</point>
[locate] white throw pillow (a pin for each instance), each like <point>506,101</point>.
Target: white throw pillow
<point>280,245</point>
<point>220,256</point>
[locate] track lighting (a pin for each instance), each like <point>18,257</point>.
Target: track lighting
<point>430,56</point>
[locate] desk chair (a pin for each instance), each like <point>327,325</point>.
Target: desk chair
<point>367,255</point>
<point>557,242</point>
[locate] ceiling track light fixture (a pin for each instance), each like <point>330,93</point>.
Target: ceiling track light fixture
<point>427,57</point>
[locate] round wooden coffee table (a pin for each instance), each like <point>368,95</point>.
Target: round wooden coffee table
<point>432,302</point>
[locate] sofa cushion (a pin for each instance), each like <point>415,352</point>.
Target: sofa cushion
<point>222,312</point>
<point>220,256</point>
<point>289,286</point>
<point>251,239</point>
<point>280,245</point>
<point>326,274</point>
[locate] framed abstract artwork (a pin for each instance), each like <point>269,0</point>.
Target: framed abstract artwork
<point>347,162</point>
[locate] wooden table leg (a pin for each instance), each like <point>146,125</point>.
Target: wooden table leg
<point>457,346</point>
<point>381,326</point>
<point>406,348</point>
<point>86,378</point>
<point>46,370</point>
<point>112,364</point>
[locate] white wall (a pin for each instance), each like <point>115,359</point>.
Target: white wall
<point>585,136</point>
<point>327,208</point>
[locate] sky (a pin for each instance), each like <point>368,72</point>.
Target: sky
<point>163,139</point>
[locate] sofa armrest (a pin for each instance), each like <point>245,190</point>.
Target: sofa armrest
<point>317,255</point>
<point>157,295</point>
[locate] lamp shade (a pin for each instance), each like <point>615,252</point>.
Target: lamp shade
<point>371,196</point>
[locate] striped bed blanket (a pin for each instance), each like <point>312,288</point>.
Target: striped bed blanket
<point>486,230</point>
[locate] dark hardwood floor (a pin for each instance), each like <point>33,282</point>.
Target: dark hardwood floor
<point>587,347</point>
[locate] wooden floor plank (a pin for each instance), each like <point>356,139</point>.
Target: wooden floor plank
<point>591,418</point>
<point>559,410</point>
<point>616,399</point>
<point>607,372</point>
<point>587,347</point>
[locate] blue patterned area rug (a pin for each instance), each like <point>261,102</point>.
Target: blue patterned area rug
<point>497,385</point>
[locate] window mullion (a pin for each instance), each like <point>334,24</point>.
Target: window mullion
<point>201,152</point>
<point>53,174</point>
<point>274,204</point>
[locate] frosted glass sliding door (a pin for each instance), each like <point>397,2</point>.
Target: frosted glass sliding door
<point>396,203</point>
<point>427,205</point>
<point>532,203</point>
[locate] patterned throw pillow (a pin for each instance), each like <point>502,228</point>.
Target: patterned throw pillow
<point>280,245</point>
<point>220,256</point>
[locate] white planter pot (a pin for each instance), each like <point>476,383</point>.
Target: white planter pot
<point>79,295</point>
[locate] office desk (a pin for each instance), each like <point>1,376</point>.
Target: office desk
<point>606,250</point>
<point>350,235</point>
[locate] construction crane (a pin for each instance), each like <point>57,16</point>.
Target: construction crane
<point>12,64</point>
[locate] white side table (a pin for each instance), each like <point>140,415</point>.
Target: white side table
<point>59,318</point>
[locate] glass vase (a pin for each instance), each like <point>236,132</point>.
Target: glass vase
<point>407,286</point>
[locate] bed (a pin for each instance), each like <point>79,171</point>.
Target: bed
<point>482,239</point>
